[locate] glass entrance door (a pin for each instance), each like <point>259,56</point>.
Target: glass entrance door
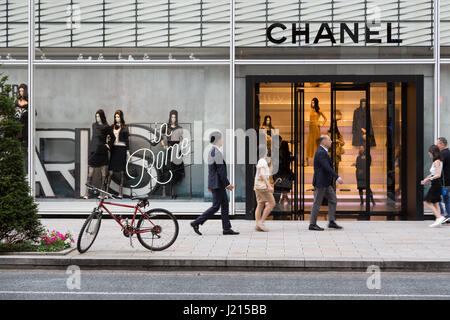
<point>298,150</point>
<point>364,120</point>
<point>350,152</point>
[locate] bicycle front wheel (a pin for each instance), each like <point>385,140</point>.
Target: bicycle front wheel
<point>89,231</point>
<point>157,229</point>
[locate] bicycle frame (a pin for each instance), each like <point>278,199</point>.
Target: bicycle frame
<point>136,209</point>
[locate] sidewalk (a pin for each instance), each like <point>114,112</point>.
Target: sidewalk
<point>405,245</point>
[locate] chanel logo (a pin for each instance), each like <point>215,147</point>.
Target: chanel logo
<point>325,33</point>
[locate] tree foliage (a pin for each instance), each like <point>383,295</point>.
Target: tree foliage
<point>19,220</point>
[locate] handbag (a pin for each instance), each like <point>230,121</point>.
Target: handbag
<point>259,184</point>
<point>443,189</point>
<point>283,185</point>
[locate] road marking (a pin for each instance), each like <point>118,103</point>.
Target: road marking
<point>232,294</point>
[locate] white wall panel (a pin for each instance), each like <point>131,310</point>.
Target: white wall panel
<point>316,10</point>
<point>88,35</point>
<point>54,10</point>
<point>153,35</point>
<point>54,35</point>
<point>349,10</point>
<point>250,10</point>
<point>119,35</point>
<point>90,10</point>
<point>216,35</point>
<point>153,11</point>
<point>120,11</point>
<point>216,11</point>
<point>160,23</point>
<point>283,10</point>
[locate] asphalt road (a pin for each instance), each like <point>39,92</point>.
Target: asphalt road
<point>49,285</point>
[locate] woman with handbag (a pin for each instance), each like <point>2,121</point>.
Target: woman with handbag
<point>433,196</point>
<point>263,190</point>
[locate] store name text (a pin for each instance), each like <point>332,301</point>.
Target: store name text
<point>325,32</point>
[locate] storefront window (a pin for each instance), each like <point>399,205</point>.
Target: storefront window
<point>149,58</point>
<point>166,111</point>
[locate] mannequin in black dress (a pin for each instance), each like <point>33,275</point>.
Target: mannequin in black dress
<point>175,163</point>
<point>361,175</point>
<point>98,148</point>
<point>22,116</point>
<point>359,129</point>
<point>119,146</point>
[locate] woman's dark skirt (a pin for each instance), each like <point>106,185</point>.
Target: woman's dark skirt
<point>118,161</point>
<point>99,158</point>
<point>434,194</point>
<point>175,164</point>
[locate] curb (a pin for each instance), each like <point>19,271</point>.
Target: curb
<point>59,253</point>
<point>8,262</point>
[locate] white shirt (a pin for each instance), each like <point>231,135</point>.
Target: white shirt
<point>262,163</point>
<point>433,169</point>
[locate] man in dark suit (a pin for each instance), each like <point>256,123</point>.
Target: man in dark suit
<point>323,185</point>
<point>218,185</point>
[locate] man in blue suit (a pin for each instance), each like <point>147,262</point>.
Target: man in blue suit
<point>218,185</point>
<point>323,185</point>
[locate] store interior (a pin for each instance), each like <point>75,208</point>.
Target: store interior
<point>346,105</point>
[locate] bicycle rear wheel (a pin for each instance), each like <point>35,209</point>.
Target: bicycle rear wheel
<point>89,231</point>
<point>157,229</point>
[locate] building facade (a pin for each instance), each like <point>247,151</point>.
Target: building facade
<point>370,73</point>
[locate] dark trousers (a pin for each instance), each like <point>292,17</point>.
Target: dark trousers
<point>220,201</point>
<point>319,194</point>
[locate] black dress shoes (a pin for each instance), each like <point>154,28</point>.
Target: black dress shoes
<point>315,227</point>
<point>230,232</point>
<point>196,228</point>
<point>334,225</point>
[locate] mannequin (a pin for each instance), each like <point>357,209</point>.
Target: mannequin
<point>119,146</point>
<point>361,175</point>
<point>267,125</point>
<point>174,137</point>
<point>338,140</point>
<point>21,115</point>
<point>22,112</point>
<point>98,148</point>
<point>359,126</point>
<point>314,129</point>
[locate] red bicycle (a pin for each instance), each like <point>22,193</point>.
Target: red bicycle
<point>157,229</point>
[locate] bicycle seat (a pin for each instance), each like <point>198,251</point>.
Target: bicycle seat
<point>142,198</point>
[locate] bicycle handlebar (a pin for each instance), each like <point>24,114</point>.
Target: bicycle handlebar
<point>91,187</point>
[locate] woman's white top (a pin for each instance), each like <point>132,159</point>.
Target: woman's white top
<point>262,163</point>
<point>433,169</point>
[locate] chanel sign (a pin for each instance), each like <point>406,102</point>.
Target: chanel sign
<point>325,32</point>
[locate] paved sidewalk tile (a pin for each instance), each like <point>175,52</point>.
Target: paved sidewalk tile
<point>359,240</point>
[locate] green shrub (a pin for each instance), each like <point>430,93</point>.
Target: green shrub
<point>19,221</point>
